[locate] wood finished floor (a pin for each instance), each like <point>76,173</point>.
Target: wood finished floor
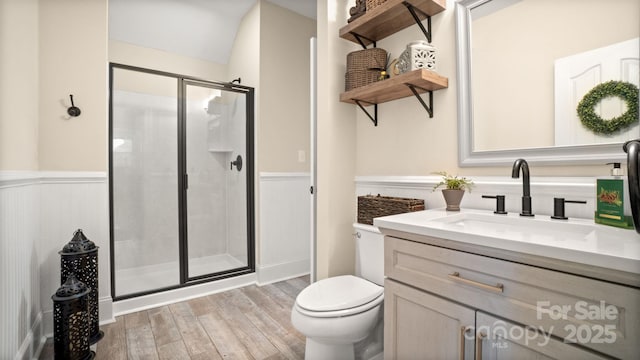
<point>252,322</point>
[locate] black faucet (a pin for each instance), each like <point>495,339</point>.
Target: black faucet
<point>526,192</point>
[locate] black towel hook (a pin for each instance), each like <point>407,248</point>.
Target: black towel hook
<point>73,110</point>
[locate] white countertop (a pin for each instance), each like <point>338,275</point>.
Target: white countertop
<point>576,240</point>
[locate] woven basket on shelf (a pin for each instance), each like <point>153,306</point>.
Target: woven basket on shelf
<point>371,206</point>
<point>363,67</point>
<point>374,58</point>
<point>357,78</point>
<point>372,4</point>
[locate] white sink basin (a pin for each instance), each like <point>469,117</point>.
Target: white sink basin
<point>576,240</point>
<point>536,229</point>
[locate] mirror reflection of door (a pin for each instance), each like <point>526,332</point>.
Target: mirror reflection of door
<point>512,79</point>
<point>577,74</point>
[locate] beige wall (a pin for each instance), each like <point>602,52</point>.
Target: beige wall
<point>336,147</point>
<point>19,85</point>
<point>284,80</point>
<point>244,63</point>
<point>73,60</point>
<point>128,54</point>
<point>406,141</point>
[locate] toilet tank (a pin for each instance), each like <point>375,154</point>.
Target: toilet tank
<point>369,253</point>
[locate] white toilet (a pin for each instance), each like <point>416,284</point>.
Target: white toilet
<point>342,316</point>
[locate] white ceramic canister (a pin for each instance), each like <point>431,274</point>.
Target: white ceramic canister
<point>418,55</point>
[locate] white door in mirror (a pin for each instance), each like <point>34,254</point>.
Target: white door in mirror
<point>576,75</point>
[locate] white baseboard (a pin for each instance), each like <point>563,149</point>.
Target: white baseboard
<point>105,305</point>
<point>33,343</point>
<point>279,272</point>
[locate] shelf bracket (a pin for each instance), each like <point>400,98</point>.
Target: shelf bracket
<point>360,38</point>
<point>429,107</point>
<point>373,118</point>
<point>412,9</point>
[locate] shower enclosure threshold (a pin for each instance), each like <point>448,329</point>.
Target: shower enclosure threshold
<point>145,302</point>
<point>149,277</point>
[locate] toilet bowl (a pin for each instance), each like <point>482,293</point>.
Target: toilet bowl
<point>341,316</point>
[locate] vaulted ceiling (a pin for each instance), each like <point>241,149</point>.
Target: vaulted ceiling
<point>203,29</point>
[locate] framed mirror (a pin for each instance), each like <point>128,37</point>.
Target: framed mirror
<point>510,103</point>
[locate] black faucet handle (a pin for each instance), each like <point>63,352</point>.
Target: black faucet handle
<point>499,203</point>
<point>558,207</point>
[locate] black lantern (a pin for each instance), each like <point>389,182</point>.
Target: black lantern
<point>80,257</point>
<point>71,321</point>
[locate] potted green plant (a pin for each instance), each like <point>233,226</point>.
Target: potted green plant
<point>455,187</point>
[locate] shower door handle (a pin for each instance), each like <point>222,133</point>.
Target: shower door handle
<point>186,181</point>
<point>237,163</point>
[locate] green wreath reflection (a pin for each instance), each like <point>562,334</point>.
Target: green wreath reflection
<point>624,90</point>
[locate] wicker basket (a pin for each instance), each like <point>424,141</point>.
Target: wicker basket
<point>363,67</point>
<point>357,78</point>
<point>374,58</point>
<point>371,206</point>
<point>372,4</point>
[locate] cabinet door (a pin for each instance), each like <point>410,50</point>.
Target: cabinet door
<point>499,339</point>
<point>418,325</point>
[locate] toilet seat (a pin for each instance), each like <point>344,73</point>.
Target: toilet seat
<point>339,296</point>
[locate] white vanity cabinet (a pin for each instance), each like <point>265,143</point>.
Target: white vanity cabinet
<point>444,303</point>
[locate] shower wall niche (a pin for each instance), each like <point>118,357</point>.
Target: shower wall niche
<point>180,213</point>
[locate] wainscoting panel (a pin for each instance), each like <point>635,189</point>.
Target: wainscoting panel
<point>20,311</point>
<point>39,211</point>
<point>71,201</point>
<point>284,226</point>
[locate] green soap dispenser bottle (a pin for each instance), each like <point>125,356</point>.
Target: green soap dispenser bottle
<point>612,200</point>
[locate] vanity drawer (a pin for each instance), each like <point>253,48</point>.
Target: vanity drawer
<point>599,315</point>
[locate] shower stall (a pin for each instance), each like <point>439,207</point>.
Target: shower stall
<point>181,180</point>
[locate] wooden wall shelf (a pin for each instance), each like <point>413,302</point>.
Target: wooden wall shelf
<point>387,19</point>
<point>376,24</point>
<point>396,87</point>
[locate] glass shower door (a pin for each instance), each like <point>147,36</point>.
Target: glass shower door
<point>216,170</point>
<point>144,186</point>
<point>181,181</point>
